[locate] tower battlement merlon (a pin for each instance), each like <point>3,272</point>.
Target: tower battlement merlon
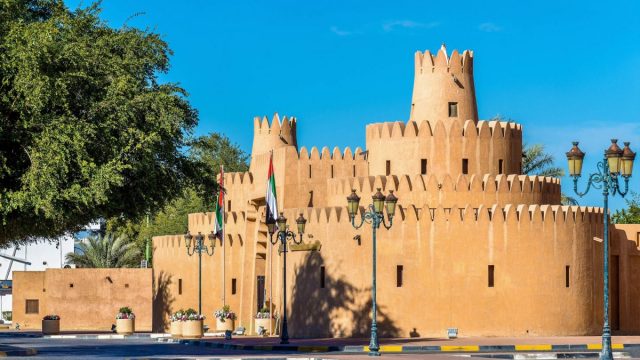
<point>443,87</point>
<point>272,135</point>
<point>454,64</point>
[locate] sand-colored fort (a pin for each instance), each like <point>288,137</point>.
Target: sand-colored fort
<point>475,244</point>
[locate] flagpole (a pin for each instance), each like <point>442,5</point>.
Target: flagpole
<point>224,248</point>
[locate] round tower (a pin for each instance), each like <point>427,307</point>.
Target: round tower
<point>278,134</point>
<point>443,87</point>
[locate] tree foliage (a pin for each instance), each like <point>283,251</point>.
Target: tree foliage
<point>86,129</point>
<point>106,251</point>
<point>630,215</point>
<point>212,150</point>
<point>535,161</point>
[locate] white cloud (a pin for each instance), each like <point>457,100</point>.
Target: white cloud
<point>340,32</point>
<point>489,27</point>
<point>407,24</point>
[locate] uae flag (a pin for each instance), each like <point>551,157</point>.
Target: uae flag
<point>218,221</point>
<point>272,203</point>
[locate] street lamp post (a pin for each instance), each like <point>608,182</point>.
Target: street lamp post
<point>617,162</point>
<point>374,216</point>
<point>284,235</point>
<point>199,247</point>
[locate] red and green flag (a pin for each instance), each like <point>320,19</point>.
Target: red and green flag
<point>218,221</point>
<point>272,203</point>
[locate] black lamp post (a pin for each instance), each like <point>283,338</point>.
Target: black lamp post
<point>617,162</point>
<point>284,236</point>
<point>199,247</point>
<point>374,216</point>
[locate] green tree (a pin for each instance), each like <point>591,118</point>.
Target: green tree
<point>86,129</point>
<point>211,150</point>
<point>108,251</point>
<point>535,161</point>
<point>630,215</point>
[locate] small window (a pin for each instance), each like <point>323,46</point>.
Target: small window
<point>228,205</point>
<point>354,171</point>
<point>332,171</point>
<point>70,285</point>
<point>491,275</point>
<point>388,167</point>
<point>322,277</point>
<point>233,286</point>
<point>638,239</point>
<point>126,286</point>
<point>179,286</point>
<point>500,166</point>
<point>465,166</point>
<point>423,166</point>
<point>309,171</point>
<point>399,271</point>
<point>453,109</point>
<point>32,306</point>
<point>566,276</point>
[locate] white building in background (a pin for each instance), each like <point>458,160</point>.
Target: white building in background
<point>42,255</point>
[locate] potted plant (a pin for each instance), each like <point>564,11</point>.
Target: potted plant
<point>263,323</point>
<point>176,323</point>
<point>125,321</point>
<point>51,325</point>
<point>192,324</point>
<point>225,318</point>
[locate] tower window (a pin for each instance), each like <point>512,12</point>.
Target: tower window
<point>388,167</point>
<point>491,273</point>
<point>233,286</point>
<point>465,166</point>
<point>500,166</point>
<point>32,306</point>
<point>354,171</point>
<point>453,109</point>
<point>566,276</point>
<point>229,205</point>
<point>322,276</point>
<point>309,171</point>
<point>399,271</point>
<point>423,166</point>
<point>332,171</point>
<point>179,286</point>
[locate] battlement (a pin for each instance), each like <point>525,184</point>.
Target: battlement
<point>441,62</point>
<point>325,154</point>
<point>511,213</point>
<point>465,189</point>
<point>278,133</point>
<point>441,128</point>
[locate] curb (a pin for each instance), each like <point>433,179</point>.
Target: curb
<point>528,356</point>
<point>18,352</point>
<point>108,336</point>
<point>402,349</point>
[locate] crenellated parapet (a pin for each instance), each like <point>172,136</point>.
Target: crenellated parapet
<point>278,133</point>
<point>446,191</point>
<point>440,147</point>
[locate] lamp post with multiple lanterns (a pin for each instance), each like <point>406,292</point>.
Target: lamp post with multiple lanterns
<point>617,163</point>
<point>199,247</point>
<point>374,215</point>
<point>284,236</point>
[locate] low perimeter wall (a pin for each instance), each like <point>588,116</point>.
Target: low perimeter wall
<point>85,299</point>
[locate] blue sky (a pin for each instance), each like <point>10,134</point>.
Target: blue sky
<point>564,69</point>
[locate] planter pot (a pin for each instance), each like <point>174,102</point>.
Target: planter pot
<point>267,324</point>
<point>192,329</point>
<point>125,326</point>
<point>226,325</point>
<point>176,329</point>
<point>50,327</point>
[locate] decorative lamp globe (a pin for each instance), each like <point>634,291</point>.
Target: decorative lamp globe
<point>187,239</point>
<point>353,203</point>
<point>378,201</point>
<point>282,222</point>
<point>302,222</point>
<point>575,156</point>
<point>613,155</point>
<point>390,203</point>
<point>628,156</point>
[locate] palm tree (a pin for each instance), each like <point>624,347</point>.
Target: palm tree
<point>106,251</point>
<point>535,161</point>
